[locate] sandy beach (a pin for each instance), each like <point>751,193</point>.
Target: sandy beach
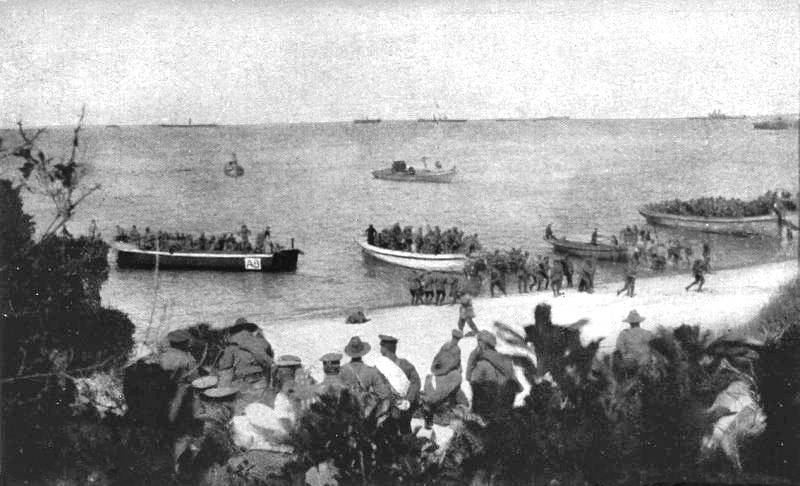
<point>729,299</point>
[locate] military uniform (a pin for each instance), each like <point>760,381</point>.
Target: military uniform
<point>360,378</point>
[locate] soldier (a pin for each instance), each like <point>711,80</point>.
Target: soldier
<point>465,315</point>
<point>439,288</point>
<point>134,237</point>
<point>415,288</point>
<point>496,279</point>
<point>698,269</point>
<point>630,279</point>
<point>371,234</point>
<point>522,277</point>
<point>707,256</point>
<point>427,287</point>
<point>442,392</point>
<point>181,365</point>
<point>247,357</point>
<point>548,232</point>
<point>454,290</point>
<point>594,237</point>
<point>491,376</point>
<point>361,379</point>
<point>569,270</point>
<point>543,273</point>
<point>403,411</point>
<point>331,364</point>
<point>633,345</point>
<point>556,277</point>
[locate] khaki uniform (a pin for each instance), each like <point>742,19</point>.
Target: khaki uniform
<point>634,346</point>
<point>362,379</point>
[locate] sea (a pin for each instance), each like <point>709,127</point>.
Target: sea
<point>312,183</point>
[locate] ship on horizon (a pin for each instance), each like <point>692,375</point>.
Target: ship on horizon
<point>547,118</point>
<point>442,119</point>
<point>367,120</point>
<point>187,125</point>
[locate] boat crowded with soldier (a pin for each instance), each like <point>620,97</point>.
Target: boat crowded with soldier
<point>434,250</point>
<point>225,252</point>
<point>765,215</point>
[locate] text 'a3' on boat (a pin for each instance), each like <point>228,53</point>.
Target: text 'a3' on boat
<point>454,262</point>
<point>278,260</point>
<point>400,171</point>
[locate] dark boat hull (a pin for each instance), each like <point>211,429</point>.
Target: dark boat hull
<point>280,261</point>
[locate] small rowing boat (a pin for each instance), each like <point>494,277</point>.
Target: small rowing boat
<point>130,256</point>
<point>453,262</point>
<point>600,251</point>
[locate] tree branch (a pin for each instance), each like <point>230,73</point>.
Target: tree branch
<point>60,373</point>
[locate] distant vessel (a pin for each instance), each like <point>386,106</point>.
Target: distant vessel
<point>367,120</point>
<point>233,169</point>
<point>187,125</point>
<point>778,124</point>
<point>717,115</point>
<point>399,171</point>
<point>441,119</point>
<point>547,118</point>
<point>112,126</point>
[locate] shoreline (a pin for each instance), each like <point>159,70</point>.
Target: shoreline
<point>730,299</point>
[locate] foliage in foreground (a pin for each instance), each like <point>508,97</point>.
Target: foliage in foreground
<point>363,449</point>
<point>54,331</point>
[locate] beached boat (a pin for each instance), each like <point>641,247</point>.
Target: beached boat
<point>453,262</point>
<point>600,251</point>
<point>753,225</point>
<point>130,256</point>
<point>399,172</point>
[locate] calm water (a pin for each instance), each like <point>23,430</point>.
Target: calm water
<point>313,183</point>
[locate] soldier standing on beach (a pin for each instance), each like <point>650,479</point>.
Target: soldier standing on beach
<point>454,290</point>
<point>496,279</point>
<point>707,256</point>
<point>630,279</point>
<point>568,270</point>
<point>556,277</point>
<point>465,315</point>
<point>698,269</point>
<point>415,288</point>
<point>440,286</point>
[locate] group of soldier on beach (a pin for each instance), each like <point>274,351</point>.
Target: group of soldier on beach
<point>238,242</point>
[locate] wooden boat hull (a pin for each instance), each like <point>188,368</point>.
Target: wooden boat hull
<point>419,176</point>
<point>587,250</point>
<point>757,225</point>
<point>128,256</point>
<point>417,261</point>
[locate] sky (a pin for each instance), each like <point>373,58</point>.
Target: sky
<point>261,61</point>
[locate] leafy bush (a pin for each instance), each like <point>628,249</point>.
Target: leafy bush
<point>54,331</point>
<point>720,207</point>
<point>364,450</point>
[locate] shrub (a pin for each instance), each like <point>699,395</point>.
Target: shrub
<point>54,330</point>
